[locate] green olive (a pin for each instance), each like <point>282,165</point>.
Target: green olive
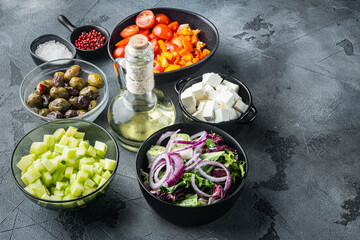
<point>59,92</point>
<point>59,104</point>
<point>34,99</point>
<point>73,100</point>
<point>95,80</point>
<point>44,112</point>
<point>91,92</point>
<point>49,82</point>
<point>43,87</point>
<point>73,71</point>
<point>78,83</point>
<point>92,105</point>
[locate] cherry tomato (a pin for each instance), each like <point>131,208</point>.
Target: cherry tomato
<point>122,42</point>
<point>174,26</point>
<point>145,19</point>
<point>171,46</point>
<point>153,36</point>
<point>144,32</point>
<point>119,52</point>
<point>129,31</point>
<point>162,31</point>
<point>156,46</point>
<point>162,18</point>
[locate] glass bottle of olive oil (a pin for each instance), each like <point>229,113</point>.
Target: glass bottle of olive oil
<point>139,110</point>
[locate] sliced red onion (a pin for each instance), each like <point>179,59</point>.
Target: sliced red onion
<point>164,136</point>
<point>201,135</point>
<point>157,170</point>
<point>178,169</point>
<point>170,142</point>
<point>194,157</point>
<point>188,168</point>
<point>197,190</point>
<point>166,176</point>
<point>199,148</point>
<point>187,147</point>
<point>227,179</point>
<point>184,142</point>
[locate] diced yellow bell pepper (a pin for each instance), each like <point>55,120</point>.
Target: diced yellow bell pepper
<point>163,61</point>
<point>155,71</point>
<point>168,55</point>
<point>182,62</point>
<point>172,67</point>
<point>195,60</point>
<point>162,45</point>
<point>186,31</point>
<point>187,57</point>
<point>206,52</point>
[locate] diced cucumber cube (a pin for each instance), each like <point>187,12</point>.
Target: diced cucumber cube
<point>97,179</point>
<point>87,190</point>
<point>73,143</point>
<point>49,164</point>
<point>84,144</point>
<point>29,190</point>
<point>55,198</point>
<point>89,183</point>
<point>64,140</point>
<point>67,190</point>
<point>68,197</point>
<point>38,165</point>
<point>82,176</point>
<point>59,148</point>
<point>49,140</point>
<point>73,178</point>
<point>102,182</point>
<point>45,196</point>
<point>38,148</point>
<point>59,193</point>
<point>58,134</point>
<point>68,153</point>
<point>79,135</point>
<point>23,178</point>
<point>87,168</point>
<point>76,189</point>
<point>86,160</point>
<point>46,178</point>
<point>81,151</point>
<point>91,151</point>
<point>58,175</point>
<point>101,148</point>
<point>61,185</point>
<point>32,175</point>
<point>24,162</point>
<point>106,175</point>
<point>68,172</point>
<point>38,188</point>
<point>98,167</point>
<point>47,154</point>
<point>71,131</point>
<point>109,164</point>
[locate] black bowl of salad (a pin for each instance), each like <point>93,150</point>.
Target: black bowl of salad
<point>191,173</point>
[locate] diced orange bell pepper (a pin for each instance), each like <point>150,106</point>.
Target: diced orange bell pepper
<point>181,27</point>
<point>188,57</point>
<point>188,63</point>
<point>182,52</point>
<point>195,60</point>
<point>163,61</point>
<point>168,55</point>
<point>187,45</point>
<point>182,62</point>
<point>162,45</point>
<point>177,41</point>
<point>205,52</point>
<point>172,67</point>
<point>186,31</point>
<point>200,45</point>
<point>198,54</point>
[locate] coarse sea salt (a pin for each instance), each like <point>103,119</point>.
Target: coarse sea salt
<point>52,50</point>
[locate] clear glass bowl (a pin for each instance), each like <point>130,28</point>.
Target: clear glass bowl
<point>46,71</point>
<point>92,132</point>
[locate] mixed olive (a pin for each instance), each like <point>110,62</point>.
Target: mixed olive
<point>66,95</point>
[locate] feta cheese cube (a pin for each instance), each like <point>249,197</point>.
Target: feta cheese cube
<point>201,106</point>
<point>199,116</point>
<point>198,91</point>
<point>221,115</point>
<point>232,113</point>
<point>212,79</point>
<point>188,99</point>
<point>238,114</point>
<point>208,89</point>
<point>231,85</point>
<point>226,99</point>
<point>240,106</point>
<point>208,113</point>
<point>222,88</point>
<point>191,110</point>
<point>211,95</point>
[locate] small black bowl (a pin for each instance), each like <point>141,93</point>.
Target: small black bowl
<point>229,126</point>
<point>77,31</point>
<point>189,216</point>
<point>208,34</point>
<point>45,38</point>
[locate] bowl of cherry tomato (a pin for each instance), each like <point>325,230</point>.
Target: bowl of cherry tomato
<point>183,41</point>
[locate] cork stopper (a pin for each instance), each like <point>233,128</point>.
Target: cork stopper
<point>139,42</point>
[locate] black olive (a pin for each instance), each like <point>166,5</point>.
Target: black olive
<point>55,115</point>
<point>82,102</point>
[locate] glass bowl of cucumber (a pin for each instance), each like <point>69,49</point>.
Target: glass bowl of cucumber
<point>65,164</point>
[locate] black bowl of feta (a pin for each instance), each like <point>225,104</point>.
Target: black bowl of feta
<point>216,99</point>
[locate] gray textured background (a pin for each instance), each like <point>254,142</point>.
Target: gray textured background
<point>299,58</point>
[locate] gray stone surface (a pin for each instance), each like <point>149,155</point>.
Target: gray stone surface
<point>301,61</point>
